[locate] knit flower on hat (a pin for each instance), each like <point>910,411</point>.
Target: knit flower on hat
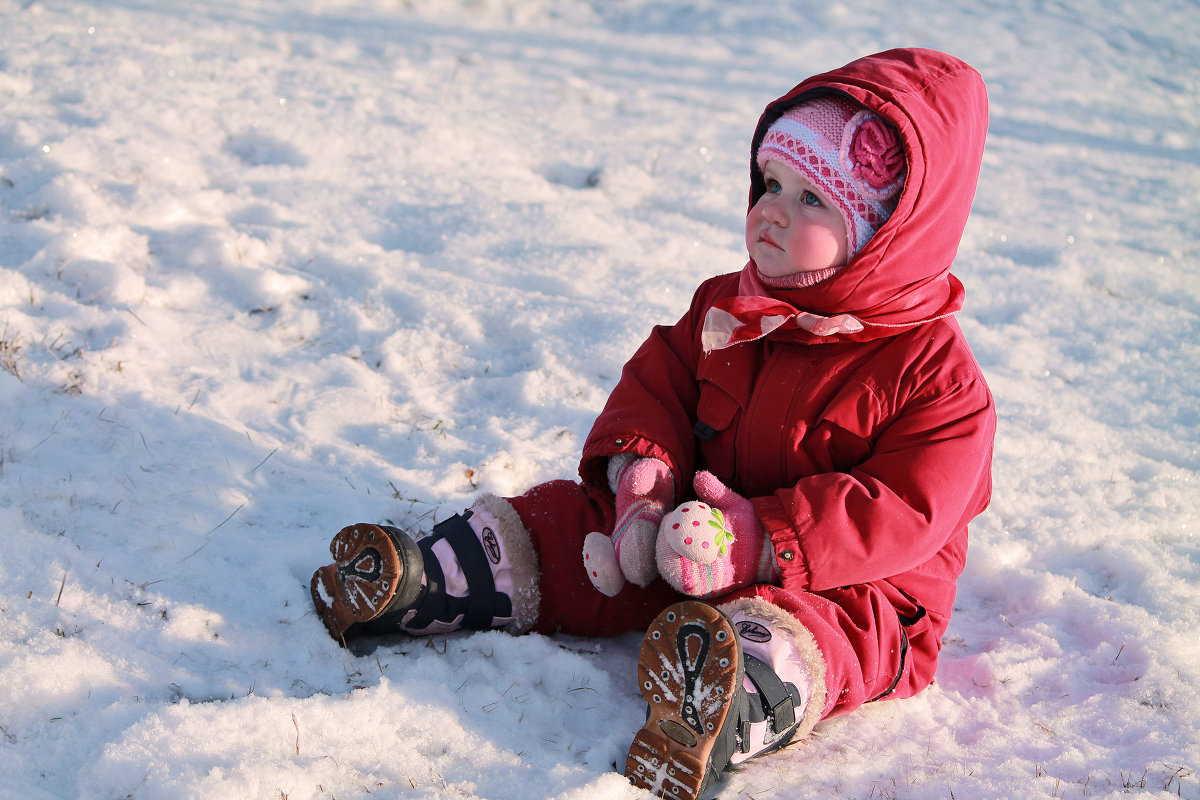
<point>874,155</point>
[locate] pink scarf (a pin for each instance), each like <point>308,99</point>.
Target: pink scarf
<point>753,315</point>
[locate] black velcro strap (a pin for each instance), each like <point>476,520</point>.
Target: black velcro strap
<point>483,603</point>
<point>481,588</point>
<point>434,605</point>
<point>746,714</point>
<point>777,702</point>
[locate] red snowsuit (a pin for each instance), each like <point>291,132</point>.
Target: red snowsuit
<point>865,454</point>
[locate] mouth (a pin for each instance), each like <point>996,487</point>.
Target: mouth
<point>765,238</point>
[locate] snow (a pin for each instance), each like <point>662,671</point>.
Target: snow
<point>269,268</point>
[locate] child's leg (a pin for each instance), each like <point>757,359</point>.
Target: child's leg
<point>512,563</point>
<point>876,643</point>
<point>476,570</point>
<point>558,516</point>
<point>730,683</point>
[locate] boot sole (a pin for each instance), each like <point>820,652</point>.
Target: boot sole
<point>370,568</point>
<point>689,670</point>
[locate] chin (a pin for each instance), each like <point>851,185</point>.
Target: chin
<point>771,267</point>
<point>780,270</point>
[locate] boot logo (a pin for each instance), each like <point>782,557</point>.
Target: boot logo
<point>754,631</point>
<point>491,545</point>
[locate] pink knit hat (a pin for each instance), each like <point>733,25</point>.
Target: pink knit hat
<point>851,154</point>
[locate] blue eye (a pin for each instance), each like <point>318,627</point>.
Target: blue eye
<point>773,186</point>
<point>810,199</point>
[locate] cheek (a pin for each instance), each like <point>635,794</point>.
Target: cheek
<point>822,244</point>
<point>836,242</point>
<point>752,220</point>
<point>814,248</point>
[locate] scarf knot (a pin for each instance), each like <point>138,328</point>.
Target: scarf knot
<point>744,319</point>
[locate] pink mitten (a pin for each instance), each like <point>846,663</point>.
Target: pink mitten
<point>715,544</point>
<point>645,487</point>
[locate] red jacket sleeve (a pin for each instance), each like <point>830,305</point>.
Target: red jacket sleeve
<point>652,409</point>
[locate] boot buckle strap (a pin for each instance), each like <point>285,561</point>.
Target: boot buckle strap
<point>784,714</point>
<point>777,702</point>
<point>483,603</point>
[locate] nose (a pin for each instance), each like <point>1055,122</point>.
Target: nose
<point>773,211</point>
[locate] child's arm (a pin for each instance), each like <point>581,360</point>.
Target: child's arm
<point>927,476</point>
<point>652,410</point>
<point>648,413</point>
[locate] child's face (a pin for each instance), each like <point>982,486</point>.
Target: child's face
<point>794,227</point>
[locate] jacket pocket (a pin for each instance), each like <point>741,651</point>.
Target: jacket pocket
<point>726,381</point>
<point>844,435</point>
<point>911,617</point>
<point>716,410</point>
<point>716,413</point>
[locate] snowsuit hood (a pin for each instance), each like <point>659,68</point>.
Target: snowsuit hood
<point>902,276</point>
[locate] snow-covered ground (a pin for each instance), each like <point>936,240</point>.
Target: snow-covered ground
<point>268,268</point>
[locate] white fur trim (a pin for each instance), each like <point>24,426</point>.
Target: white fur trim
<point>526,576</point>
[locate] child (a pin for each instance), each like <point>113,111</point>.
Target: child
<point>819,419</point>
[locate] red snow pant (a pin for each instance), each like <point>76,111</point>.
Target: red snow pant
<point>876,642</point>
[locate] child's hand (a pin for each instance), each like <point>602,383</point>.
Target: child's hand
<point>739,513</point>
<point>715,544</point>
<point>645,489</point>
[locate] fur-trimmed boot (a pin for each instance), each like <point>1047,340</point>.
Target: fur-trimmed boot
<point>475,570</point>
<point>723,685</point>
